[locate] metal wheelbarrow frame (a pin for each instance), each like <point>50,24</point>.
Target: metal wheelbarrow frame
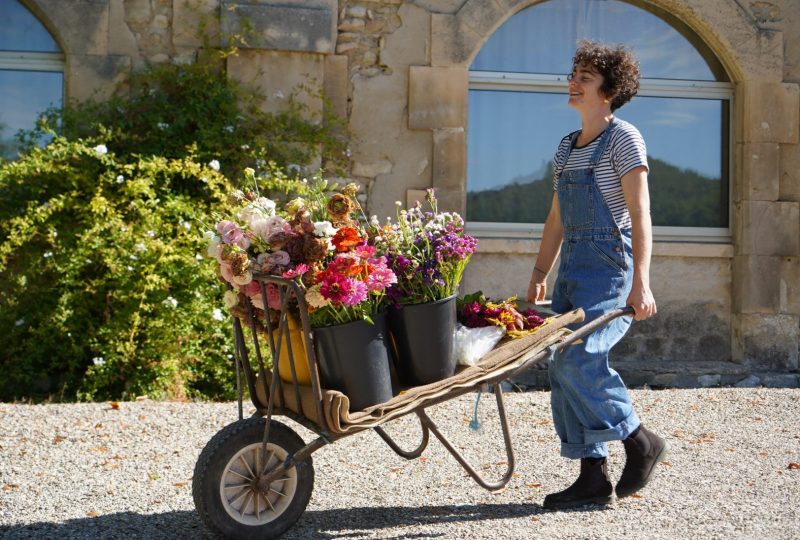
<point>255,477</point>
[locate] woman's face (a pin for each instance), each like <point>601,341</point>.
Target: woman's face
<point>584,89</point>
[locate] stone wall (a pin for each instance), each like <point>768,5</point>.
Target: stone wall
<point>396,70</point>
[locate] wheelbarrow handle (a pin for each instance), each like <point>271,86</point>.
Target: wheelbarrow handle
<point>596,324</point>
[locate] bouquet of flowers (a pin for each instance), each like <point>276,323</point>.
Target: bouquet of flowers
<point>477,311</point>
<point>352,284</point>
<point>312,239</point>
<point>428,251</point>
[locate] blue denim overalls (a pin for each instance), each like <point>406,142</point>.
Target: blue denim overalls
<point>589,400</point>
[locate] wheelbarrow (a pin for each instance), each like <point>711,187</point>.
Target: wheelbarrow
<point>254,478</point>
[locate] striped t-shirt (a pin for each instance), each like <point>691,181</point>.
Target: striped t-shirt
<point>624,152</point>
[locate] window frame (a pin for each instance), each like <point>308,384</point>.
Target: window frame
<point>666,88</point>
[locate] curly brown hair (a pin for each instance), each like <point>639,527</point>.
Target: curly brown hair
<point>617,65</point>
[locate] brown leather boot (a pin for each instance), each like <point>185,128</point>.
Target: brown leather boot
<point>592,487</point>
<point>644,449</point>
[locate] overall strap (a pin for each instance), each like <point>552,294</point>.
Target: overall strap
<point>573,138</point>
<point>602,143</point>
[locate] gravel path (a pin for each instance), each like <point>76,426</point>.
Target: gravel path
<point>94,471</point>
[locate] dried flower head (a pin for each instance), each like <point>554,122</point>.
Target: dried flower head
<point>340,207</point>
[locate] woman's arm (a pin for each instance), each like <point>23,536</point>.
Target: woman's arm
<point>548,251</point>
<point>637,197</point>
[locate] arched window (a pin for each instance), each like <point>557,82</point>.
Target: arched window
<point>518,113</point>
<point>31,73</point>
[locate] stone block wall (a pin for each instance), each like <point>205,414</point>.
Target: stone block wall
<point>397,71</point>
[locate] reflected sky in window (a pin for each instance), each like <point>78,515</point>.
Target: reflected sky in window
<point>24,95</point>
<point>543,37</point>
<point>513,135</point>
<point>21,31</point>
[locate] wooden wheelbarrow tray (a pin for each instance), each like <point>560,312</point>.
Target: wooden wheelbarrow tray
<point>255,504</point>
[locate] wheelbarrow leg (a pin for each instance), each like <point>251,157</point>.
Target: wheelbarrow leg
<point>491,486</point>
<point>413,454</point>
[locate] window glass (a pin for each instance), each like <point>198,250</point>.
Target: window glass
<point>29,82</point>
<point>542,38</point>
<point>24,95</point>
<point>22,31</point>
<point>515,124</point>
<point>513,136</point>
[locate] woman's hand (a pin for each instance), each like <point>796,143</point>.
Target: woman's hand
<point>642,301</point>
<point>537,288</point>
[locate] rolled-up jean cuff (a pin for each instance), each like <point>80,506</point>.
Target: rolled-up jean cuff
<point>580,451</point>
<point>616,433</point>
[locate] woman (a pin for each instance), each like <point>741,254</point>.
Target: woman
<point>600,222</point>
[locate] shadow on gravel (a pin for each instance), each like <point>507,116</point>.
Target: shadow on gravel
<point>120,526</point>
<point>318,524</point>
<point>356,522</point>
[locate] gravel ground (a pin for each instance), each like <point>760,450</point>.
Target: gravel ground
<point>96,471</point>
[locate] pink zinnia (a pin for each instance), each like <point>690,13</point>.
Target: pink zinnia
<point>301,269</point>
<point>358,293</point>
<point>364,251</point>
<point>381,278</point>
<point>336,287</point>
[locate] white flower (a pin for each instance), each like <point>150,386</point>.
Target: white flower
<point>373,220</point>
<point>215,249</point>
<point>260,227</point>
<point>151,234</point>
<point>186,225</point>
<point>134,257</point>
<point>268,205</point>
<point>398,203</point>
<point>98,360</point>
<point>120,179</point>
<point>130,268</point>
<point>257,301</point>
<point>324,228</point>
<point>214,164</point>
<point>230,299</point>
<point>198,257</point>
<point>249,171</point>
<point>170,301</point>
<point>229,129</point>
<point>19,322</point>
<point>245,147</point>
<point>217,315</point>
<point>243,279</point>
<point>100,150</point>
<point>314,297</point>
<point>47,254</point>
<point>162,125</point>
<point>140,247</point>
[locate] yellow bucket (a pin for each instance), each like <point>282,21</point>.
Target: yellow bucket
<point>298,351</point>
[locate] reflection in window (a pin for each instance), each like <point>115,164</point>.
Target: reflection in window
<point>518,113</point>
<point>22,31</point>
<point>31,73</point>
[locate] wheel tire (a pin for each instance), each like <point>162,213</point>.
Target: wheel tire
<point>222,482</point>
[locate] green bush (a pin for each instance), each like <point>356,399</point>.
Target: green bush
<point>106,291</point>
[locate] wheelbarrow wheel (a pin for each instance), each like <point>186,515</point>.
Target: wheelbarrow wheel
<point>225,484</point>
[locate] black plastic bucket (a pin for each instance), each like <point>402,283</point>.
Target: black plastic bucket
<point>354,358</point>
<point>423,341</point>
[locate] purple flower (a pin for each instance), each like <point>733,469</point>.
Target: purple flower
<point>232,234</point>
